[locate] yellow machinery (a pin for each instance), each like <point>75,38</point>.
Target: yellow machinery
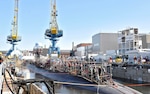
<point>118,59</point>
<point>14,38</point>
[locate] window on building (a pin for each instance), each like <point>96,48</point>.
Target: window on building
<point>135,43</point>
<point>135,31</point>
<point>123,39</point>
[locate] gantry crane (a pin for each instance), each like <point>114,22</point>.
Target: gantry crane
<point>53,33</point>
<point>14,38</point>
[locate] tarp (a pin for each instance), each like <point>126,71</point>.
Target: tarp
<point>28,57</point>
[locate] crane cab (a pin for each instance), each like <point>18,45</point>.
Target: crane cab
<point>54,30</point>
<point>14,37</point>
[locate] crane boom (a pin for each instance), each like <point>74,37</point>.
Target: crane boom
<point>53,24</point>
<point>14,32</point>
<point>15,22</point>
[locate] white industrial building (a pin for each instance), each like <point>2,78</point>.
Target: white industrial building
<point>129,40</point>
<point>102,42</point>
<point>114,43</point>
<point>82,49</point>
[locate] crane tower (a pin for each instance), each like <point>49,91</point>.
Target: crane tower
<point>13,38</point>
<point>53,33</point>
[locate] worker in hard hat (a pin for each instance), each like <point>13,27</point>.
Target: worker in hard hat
<point>1,58</point>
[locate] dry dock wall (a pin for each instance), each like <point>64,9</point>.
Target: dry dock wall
<point>132,73</point>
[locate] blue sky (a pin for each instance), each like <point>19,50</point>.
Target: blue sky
<point>79,20</point>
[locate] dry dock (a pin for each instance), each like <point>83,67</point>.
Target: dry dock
<point>90,71</point>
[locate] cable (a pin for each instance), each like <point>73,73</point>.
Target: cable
<point>6,80</point>
<point>21,83</point>
<point>31,81</point>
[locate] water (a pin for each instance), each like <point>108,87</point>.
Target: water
<point>61,89</point>
<point>144,89</point>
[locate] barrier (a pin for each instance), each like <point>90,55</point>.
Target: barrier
<point>34,89</point>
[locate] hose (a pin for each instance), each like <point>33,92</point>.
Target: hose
<point>21,83</point>
<point>7,81</point>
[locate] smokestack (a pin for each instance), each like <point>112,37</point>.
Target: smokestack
<point>72,45</point>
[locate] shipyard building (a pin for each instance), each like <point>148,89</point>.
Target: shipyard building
<point>129,40</point>
<point>124,40</point>
<point>145,41</point>
<point>102,42</point>
<point>81,49</point>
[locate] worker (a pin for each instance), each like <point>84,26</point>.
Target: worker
<point>110,60</point>
<point>135,60</point>
<point>1,58</point>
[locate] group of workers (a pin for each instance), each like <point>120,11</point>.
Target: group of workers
<point>135,59</point>
<point>141,60</point>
